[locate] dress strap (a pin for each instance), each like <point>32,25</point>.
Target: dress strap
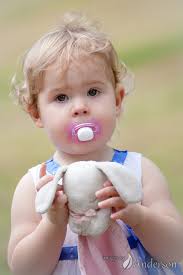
<point>119,156</point>
<point>69,253</point>
<point>52,166</point>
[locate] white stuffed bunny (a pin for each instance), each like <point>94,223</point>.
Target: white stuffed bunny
<point>80,181</point>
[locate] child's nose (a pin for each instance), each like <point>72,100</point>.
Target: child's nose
<point>80,109</point>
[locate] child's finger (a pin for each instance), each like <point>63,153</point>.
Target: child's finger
<point>59,187</point>
<point>42,170</point>
<point>112,202</point>
<point>106,192</point>
<point>117,215</point>
<point>107,183</point>
<point>60,199</point>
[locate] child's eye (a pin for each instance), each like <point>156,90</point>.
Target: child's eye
<point>62,98</point>
<point>93,92</point>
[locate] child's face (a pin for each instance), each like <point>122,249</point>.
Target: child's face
<point>84,93</point>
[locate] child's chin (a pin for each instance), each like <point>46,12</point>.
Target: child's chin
<point>85,147</point>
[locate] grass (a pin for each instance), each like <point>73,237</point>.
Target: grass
<point>19,10</point>
<point>156,50</point>
<point>153,128</point>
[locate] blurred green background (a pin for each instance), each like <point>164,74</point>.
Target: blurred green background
<point>149,38</point>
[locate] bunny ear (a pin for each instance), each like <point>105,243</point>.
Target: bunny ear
<point>123,179</point>
<point>46,194</point>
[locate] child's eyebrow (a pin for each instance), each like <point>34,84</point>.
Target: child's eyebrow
<point>65,88</point>
<point>94,82</point>
<point>57,89</point>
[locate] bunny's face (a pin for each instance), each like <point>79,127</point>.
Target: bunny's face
<point>81,188</point>
<point>85,216</point>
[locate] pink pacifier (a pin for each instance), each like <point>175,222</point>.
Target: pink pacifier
<point>84,131</point>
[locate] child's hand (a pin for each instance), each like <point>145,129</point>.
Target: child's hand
<point>130,214</point>
<point>58,212</point>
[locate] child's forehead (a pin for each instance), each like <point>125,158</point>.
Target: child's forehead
<point>93,67</point>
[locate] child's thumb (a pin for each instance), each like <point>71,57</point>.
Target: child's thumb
<point>62,198</point>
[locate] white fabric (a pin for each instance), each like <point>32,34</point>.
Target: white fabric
<point>133,162</point>
<point>70,267</point>
<point>35,173</point>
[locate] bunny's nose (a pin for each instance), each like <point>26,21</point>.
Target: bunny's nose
<point>90,213</point>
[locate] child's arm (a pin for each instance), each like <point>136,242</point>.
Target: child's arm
<point>156,222</point>
<point>161,229</point>
<point>35,243</point>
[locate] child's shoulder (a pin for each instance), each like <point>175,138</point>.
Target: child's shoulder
<point>24,199</point>
<point>24,196</point>
<point>152,177</point>
<point>26,185</point>
<point>153,181</point>
<point>23,203</point>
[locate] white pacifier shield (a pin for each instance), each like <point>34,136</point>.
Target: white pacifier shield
<point>85,134</point>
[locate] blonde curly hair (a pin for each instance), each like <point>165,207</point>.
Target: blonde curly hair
<point>74,37</point>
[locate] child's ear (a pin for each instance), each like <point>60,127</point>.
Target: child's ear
<point>35,115</point>
<point>120,93</point>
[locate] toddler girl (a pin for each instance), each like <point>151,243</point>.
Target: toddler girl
<point>72,76</point>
